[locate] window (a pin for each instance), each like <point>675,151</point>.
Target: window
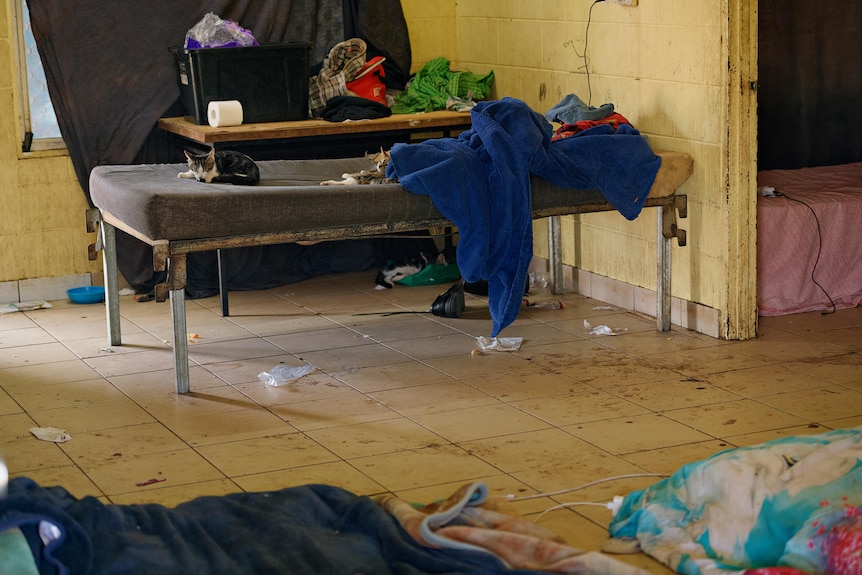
<point>39,128</point>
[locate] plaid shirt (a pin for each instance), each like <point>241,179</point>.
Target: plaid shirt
<point>344,62</point>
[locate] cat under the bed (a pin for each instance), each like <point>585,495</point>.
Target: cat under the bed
<point>397,270</point>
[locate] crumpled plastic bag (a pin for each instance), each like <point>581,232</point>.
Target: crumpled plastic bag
<point>51,434</point>
<point>603,329</point>
<point>213,32</point>
<point>500,343</point>
<point>456,104</point>
<point>282,374</point>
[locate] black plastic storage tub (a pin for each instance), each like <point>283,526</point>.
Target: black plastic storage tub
<point>270,81</point>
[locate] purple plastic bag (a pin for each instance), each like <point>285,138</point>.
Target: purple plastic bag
<point>213,32</point>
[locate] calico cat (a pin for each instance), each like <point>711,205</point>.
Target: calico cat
<point>375,176</point>
<point>222,166</point>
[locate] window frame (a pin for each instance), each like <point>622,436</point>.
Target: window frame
<point>29,143</point>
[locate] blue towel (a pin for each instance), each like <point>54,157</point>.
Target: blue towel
<point>481,181</point>
<point>572,109</point>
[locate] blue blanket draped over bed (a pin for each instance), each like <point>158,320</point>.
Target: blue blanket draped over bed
<point>307,530</point>
<point>481,181</point>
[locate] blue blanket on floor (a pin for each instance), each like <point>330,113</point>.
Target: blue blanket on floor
<point>307,530</point>
<point>481,181</point>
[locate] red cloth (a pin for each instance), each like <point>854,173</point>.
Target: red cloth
<point>615,120</point>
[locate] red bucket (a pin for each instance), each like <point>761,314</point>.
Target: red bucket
<point>369,82</point>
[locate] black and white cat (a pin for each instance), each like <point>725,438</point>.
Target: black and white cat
<point>394,271</point>
<point>222,166</point>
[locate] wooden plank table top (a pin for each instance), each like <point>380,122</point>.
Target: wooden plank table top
<point>442,120</point>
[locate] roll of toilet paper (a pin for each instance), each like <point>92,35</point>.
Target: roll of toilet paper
<point>224,113</point>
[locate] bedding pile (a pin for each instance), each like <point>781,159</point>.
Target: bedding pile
<point>481,182</point>
<point>306,530</point>
<point>786,507</point>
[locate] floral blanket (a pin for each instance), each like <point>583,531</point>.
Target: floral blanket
<point>788,506</point>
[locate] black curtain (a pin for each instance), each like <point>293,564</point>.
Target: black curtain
<point>385,34</point>
<point>810,83</point>
<point>111,77</point>
<point>110,74</point>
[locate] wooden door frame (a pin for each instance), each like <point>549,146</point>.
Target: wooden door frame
<point>739,320</point>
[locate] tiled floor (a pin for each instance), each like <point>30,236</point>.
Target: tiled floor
<point>400,404</point>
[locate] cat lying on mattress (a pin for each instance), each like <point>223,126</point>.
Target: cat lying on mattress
<point>222,166</point>
<point>375,176</point>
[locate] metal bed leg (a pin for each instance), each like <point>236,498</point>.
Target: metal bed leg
<point>108,235</point>
<point>181,342</point>
<point>667,230</point>
<point>555,254</point>
<point>663,293</point>
<point>175,290</point>
<point>222,284</point>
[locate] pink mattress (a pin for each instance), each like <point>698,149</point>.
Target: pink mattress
<point>789,249</point>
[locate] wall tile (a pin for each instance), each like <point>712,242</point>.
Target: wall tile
<point>7,71</point>
<point>520,42</point>
<point>8,292</point>
<point>677,54</point>
<point>10,248</point>
<point>51,288</point>
<point>485,9</point>
<point>415,9</point>
<point>431,40</point>
<point>478,40</point>
<point>615,50</point>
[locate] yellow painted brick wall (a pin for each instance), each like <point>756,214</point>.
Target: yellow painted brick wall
<point>660,64</point>
<point>431,24</point>
<point>42,231</point>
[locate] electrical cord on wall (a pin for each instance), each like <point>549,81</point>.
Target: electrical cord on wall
<point>586,63</point>
<point>819,251</point>
<point>586,66</point>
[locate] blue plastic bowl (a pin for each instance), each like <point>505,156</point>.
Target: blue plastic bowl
<point>87,294</point>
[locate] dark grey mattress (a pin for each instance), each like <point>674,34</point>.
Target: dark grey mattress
<point>158,205</point>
